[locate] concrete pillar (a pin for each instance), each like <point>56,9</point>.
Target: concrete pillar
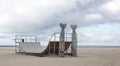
<point>74,41</point>
<point>62,40</point>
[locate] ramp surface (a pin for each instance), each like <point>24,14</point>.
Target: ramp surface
<point>31,47</point>
<point>36,48</point>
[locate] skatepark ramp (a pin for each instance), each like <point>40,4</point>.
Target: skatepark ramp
<point>58,43</point>
<point>31,44</point>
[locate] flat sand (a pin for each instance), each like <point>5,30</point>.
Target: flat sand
<point>86,57</point>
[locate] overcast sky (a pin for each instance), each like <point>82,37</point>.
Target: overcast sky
<point>98,21</point>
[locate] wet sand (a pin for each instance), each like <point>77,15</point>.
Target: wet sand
<point>86,57</point>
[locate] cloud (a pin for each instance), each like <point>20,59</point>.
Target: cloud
<point>112,6</point>
<point>93,17</point>
<point>26,15</point>
<point>100,37</point>
<point>84,2</point>
<point>110,10</point>
<point>43,17</point>
<point>30,16</point>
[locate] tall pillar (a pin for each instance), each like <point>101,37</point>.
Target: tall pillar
<point>62,40</point>
<point>74,41</point>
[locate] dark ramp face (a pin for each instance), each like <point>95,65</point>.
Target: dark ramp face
<point>53,47</point>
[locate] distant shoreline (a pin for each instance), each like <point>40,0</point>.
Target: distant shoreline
<point>7,45</point>
<point>99,46</point>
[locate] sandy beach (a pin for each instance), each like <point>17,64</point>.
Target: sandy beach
<point>86,57</point>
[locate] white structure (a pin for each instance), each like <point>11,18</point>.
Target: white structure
<point>31,47</point>
<point>22,42</point>
<point>62,40</point>
<point>74,41</point>
<point>58,43</point>
<point>31,44</point>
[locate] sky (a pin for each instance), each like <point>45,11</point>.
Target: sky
<point>98,21</point>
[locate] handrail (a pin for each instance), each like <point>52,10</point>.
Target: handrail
<point>55,37</point>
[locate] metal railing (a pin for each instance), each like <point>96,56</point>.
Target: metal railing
<point>56,37</point>
<point>24,38</point>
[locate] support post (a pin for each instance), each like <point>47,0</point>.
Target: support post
<point>74,41</point>
<point>15,44</point>
<point>62,40</point>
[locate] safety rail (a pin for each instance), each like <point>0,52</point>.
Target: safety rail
<point>56,37</point>
<point>24,38</point>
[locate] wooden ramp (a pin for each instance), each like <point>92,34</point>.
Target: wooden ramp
<point>53,47</point>
<point>36,49</point>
